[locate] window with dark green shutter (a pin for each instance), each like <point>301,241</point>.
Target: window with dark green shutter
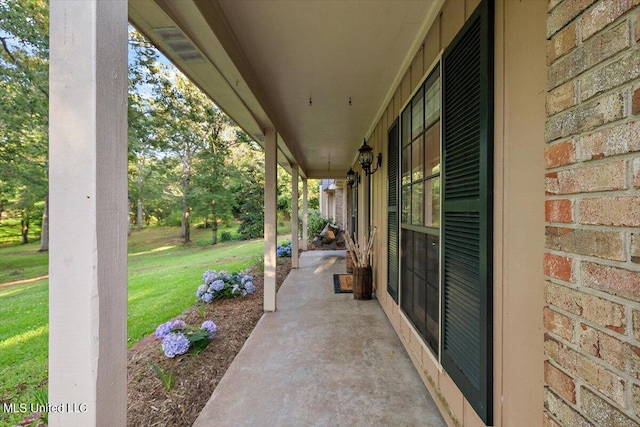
<point>420,210</point>
<point>392,211</point>
<point>467,165</point>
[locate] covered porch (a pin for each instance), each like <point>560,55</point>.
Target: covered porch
<point>322,359</point>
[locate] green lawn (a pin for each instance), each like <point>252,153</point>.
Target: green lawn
<point>163,277</point>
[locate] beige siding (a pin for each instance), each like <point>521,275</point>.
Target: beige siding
<point>519,201</point>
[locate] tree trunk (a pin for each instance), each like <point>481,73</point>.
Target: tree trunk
<point>186,180</point>
<point>214,224</point>
<point>1,211</point>
<point>25,228</point>
<point>187,227</point>
<point>44,235</point>
<point>140,216</point>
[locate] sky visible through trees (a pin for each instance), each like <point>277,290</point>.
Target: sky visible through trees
<point>189,164</point>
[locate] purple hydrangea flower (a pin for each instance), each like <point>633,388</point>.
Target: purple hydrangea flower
<point>236,289</point>
<point>207,297</point>
<point>209,276</point>
<point>178,324</point>
<point>201,291</point>
<point>174,344</point>
<point>250,287</point>
<point>163,330</point>
<point>211,327</point>
<point>217,285</point>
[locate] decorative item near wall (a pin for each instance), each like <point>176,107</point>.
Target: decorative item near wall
<point>365,158</point>
<point>353,178</point>
<point>362,275</point>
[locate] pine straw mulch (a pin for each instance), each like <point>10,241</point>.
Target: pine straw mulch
<point>196,376</point>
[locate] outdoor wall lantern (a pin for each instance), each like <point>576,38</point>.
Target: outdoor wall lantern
<point>365,158</point>
<point>353,179</point>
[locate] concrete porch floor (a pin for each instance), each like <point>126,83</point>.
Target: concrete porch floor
<point>322,359</point>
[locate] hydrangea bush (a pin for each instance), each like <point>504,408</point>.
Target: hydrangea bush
<point>224,285</point>
<point>178,337</point>
<point>284,250</point>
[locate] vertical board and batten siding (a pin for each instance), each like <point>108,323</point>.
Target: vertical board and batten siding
<point>467,157</point>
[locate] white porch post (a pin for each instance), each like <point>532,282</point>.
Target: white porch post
<point>270,217</point>
<point>305,214</point>
<point>295,242</point>
<point>88,213</point>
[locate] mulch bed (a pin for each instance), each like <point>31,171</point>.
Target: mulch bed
<point>196,376</point>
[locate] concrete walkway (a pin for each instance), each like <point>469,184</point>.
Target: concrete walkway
<point>323,359</point>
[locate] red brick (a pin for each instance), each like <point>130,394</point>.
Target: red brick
<point>602,177</point>
<point>602,412</point>
<point>617,211</point>
<point>559,267</point>
<point>564,413</point>
<point>561,98</point>
<point>599,311</point>
<point>603,14</point>
<point>586,56</point>
<point>594,373</point>
<point>564,13</point>
<point>616,281</point>
<point>551,347</point>
<point>601,244</point>
<point>619,139</point>
<point>636,172</point>
<point>551,183</point>
<point>635,102</point>
<point>561,43</point>
<point>561,383</point>
<point>601,345</point>
<point>635,248</point>
<point>560,154</point>
<point>547,421</point>
<point>558,324</point>
<point>558,211</point>
<point>636,399</point>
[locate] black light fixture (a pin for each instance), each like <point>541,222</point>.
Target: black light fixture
<point>353,179</point>
<point>365,158</point>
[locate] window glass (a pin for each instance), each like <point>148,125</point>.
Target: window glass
<point>417,113</point>
<point>432,97</point>
<point>406,127</point>
<point>420,215</point>
<point>417,159</point>
<point>406,165</point>
<point>406,203</point>
<point>432,150</point>
<point>432,202</point>
<point>435,202</point>
<point>417,208</point>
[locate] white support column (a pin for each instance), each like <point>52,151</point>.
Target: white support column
<point>305,214</point>
<point>270,217</point>
<point>295,242</point>
<point>88,213</point>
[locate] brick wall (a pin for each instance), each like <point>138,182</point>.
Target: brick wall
<point>340,200</point>
<point>592,264</point>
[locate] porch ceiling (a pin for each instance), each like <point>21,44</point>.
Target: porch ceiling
<point>263,61</point>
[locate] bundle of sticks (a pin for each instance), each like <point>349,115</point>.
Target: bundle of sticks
<point>360,254</point>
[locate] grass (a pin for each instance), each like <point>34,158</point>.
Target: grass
<point>163,275</point>
<point>10,231</point>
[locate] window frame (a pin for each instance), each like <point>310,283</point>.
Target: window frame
<point>427,230</point>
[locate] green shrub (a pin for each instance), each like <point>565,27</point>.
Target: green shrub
<point>225,236</point>
<point>315,223</point>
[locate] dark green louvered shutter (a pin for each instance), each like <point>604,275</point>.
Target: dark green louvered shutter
<point>392,212</point>
<point>467,96</point>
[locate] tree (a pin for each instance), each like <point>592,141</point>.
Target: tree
<point>24,52</point>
